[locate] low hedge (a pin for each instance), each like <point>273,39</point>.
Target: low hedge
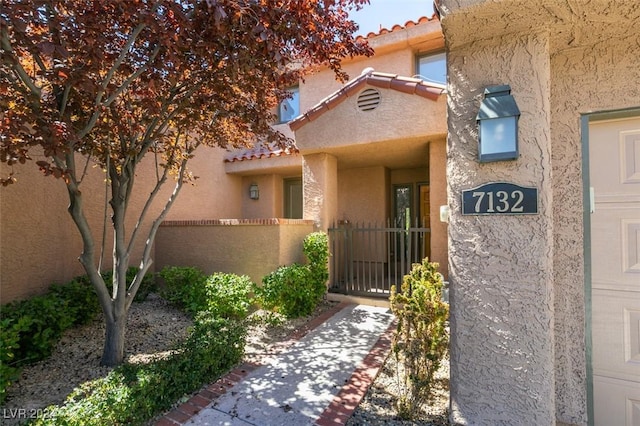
<point>133,394</point>
<point>30,329</point>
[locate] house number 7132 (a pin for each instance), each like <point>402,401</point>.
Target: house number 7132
<point>500,198</point>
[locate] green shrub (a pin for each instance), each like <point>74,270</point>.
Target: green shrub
<point>133,394</point>
<point>295,290</point>
<point>316,248</point>
<point>228,295</point>
<point>31,328</point>
<point>183,286</point>
<point>421,338</point>
<point>9,343</point>
<point>224,295</point>
<point>289,290</point>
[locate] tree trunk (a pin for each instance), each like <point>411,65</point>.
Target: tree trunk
<point>113,352</point>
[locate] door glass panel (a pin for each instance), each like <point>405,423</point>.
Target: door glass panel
<point>403,197</point>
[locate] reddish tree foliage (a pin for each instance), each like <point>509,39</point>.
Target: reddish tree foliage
<point>115,80</point>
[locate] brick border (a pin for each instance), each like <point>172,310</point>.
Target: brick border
<point>210,393</point>
<point>347,400</point>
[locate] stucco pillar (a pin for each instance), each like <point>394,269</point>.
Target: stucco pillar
<point>438,189</point>
<point>320,189</point>
<point>501,266</point>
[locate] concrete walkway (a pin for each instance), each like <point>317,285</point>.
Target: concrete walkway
<point>318,377</point>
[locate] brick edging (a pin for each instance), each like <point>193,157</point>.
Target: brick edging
<point>347,400</point>
<point>210,393</point>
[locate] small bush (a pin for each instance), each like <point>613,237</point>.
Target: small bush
<point>31,328</point>
<point>183,286</point>
<point>290,291</point>
<point>296,290</point>
<point>223,295</point>
<point>228,295</point>
<point>421,338</point>
<point>133,394</point>
<point>316,248</point>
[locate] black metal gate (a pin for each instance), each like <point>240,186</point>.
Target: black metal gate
<point>368,259</point>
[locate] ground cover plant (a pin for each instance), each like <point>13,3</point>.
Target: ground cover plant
<point>132,394</point>
<point>29,329</point>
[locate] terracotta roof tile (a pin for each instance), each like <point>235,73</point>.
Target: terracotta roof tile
<point>260,151</point>
<point>398,27</point>
<point>378,79</point>
<point>408,85</point>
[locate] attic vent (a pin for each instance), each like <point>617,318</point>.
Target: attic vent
<point>368,99</point>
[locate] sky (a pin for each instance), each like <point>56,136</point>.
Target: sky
<point>387,13</point>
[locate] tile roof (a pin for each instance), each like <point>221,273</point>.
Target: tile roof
<point>390,81</point>
<point>398,27</point>
<point>370,77</point>
<point>260,151</point>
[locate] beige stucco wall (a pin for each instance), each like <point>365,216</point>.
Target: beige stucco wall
<point>320,189</point>
<point>562,60</point>
<point>501,267</point>
<point>39,243</point>
<point>398,117</point>
<point>438,197</point>
<point>244,247</point>
<point>270,202</point>
<point>363,195</point>
<point>395,53</point>
<point>214,194</point>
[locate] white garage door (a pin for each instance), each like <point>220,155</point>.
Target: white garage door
<point>614,162</point>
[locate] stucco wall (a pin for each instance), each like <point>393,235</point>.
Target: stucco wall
<point>502,368</point>
<point>243,247</point>
<point>363,195</point>
<point>399,116</point>
<point>593,77</point>
<point>395,53</point>
<point>591,65</point>
<point>438,197</point>
<point>270,202</point>
<point>320,189</point>
<point>39,243</point>
<point>215,194</point>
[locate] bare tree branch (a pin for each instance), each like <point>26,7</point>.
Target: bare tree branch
<point>146,257</point>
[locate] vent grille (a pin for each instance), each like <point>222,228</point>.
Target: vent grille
<point>368,100</point>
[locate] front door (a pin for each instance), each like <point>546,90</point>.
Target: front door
<point>614,173</point>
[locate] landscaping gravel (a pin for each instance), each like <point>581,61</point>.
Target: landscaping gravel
<point>154,326</point>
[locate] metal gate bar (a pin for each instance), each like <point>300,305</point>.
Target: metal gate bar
<point>368,259</point>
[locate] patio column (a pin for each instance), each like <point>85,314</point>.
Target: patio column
<point>501,266</point>
<point>320,189</point>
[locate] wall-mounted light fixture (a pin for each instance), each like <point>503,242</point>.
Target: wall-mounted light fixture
<point>498,125</point>
<point>254,191</point>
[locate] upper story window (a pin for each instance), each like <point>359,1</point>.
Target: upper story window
<point>290,107</point>
<point>433,68</point>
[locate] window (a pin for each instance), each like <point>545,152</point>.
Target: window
<point>290,107</point>
<point>433,68</point>
<point>293,198</point>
